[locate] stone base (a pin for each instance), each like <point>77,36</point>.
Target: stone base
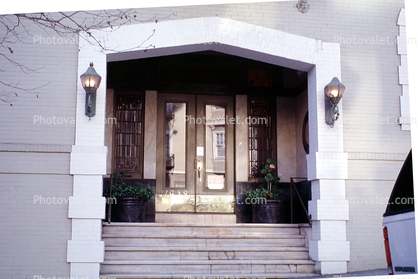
<point>329,267</point>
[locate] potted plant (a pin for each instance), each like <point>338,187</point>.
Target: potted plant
<point>130,199</point>
<point>268,202</point>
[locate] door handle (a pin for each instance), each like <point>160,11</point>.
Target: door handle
<point>199,167</point>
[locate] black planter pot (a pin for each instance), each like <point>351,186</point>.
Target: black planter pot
<point>273,211</point>
<point>129,210</point>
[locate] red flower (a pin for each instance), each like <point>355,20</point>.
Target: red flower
<point>272,166</point>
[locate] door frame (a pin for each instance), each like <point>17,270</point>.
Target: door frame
<point>195,135</point>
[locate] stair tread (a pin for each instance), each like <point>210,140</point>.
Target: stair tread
<point>200,236</point>
<point>213,275</point>
<point>205,249</point>
<point>202,262</point>
<point>237,225</point>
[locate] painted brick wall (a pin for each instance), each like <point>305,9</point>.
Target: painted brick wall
<point>371,106</point>
<point>368,191</point>
<point>55,73</point>
<point>35,145</point>
<point>35,227</point>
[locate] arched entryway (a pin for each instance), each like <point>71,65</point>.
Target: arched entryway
<point>326,163</point>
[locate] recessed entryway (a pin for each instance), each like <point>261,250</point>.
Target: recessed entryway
<point>326,163</point>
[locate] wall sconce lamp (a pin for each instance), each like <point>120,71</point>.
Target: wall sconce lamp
<point>90,81</point>
<point>334,92</point>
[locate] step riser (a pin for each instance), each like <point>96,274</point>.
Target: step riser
<point>207,268</point>
<point>173,242</point>
<point>186,255</point>
<point>196,230</point>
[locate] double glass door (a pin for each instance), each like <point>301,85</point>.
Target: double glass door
<point>195,154</point>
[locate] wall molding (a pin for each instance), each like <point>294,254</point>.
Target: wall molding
<point>44,148</point>
<point>375,156</point>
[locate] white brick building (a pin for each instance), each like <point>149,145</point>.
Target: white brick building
<point>53,159</point>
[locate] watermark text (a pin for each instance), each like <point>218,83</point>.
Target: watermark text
<point>40,40</point>
<point>227,120</point>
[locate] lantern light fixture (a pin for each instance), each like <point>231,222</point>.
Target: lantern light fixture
<point>334,92</point>
<point>90,81</point>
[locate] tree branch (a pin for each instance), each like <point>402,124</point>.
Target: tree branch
<point>79,23</point>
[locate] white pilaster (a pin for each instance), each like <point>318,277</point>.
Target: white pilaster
<point>327,171</point>
<point>85,250</point>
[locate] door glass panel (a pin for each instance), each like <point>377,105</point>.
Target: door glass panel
<point>173,190</point>
<point>215,147</point>
<point>175,148</point>
<point>176,197</point>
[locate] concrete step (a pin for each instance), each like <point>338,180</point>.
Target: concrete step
<point>206,253</point>
<point>161,250</point>
<point>207,267</point>
<point>207,276</point>
<point>203,241</point>
<point>195,229</point>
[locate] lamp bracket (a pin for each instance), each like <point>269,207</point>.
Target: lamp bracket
<point>332,112</point>
<point>90,109</point>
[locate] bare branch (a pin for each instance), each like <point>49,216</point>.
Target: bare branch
<point>9,96</point>
<point>17,29</point>
<point>16,86</point>
<point>22,67</point>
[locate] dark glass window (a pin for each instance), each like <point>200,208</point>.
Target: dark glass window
<point>128,134</point>
<point>261,133</point>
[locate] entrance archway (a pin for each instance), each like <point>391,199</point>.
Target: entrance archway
<point>326,163</point>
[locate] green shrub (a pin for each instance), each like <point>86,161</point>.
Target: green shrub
<point>121,189</point>
<point>270,189</point>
